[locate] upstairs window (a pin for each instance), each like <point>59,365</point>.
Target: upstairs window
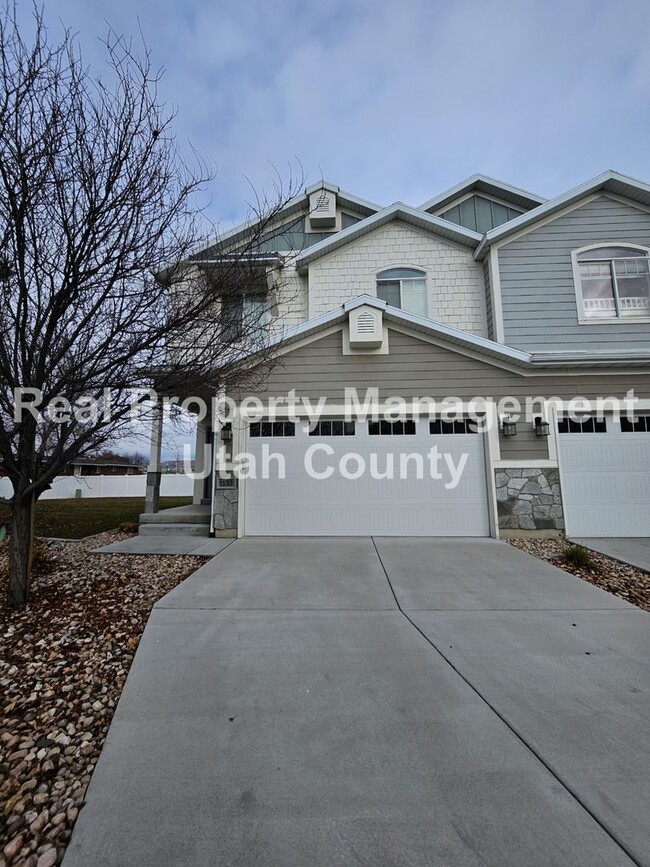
<point>243,316</point>
<point>405,288</point>
<point>613,283</point>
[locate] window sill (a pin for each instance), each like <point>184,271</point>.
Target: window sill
<point>627,320</point>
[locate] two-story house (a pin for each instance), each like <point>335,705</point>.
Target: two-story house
<point>486,294</point>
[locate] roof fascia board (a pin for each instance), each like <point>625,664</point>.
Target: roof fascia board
<point>537,224</point>
<point>294,205</point>
<point>470,185</point>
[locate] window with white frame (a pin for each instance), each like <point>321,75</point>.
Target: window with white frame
<point>405,288</point>
<point>614,283</point>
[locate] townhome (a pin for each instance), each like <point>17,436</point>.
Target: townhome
<point>486,293</point>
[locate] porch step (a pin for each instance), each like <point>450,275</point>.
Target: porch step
<point>160,529</point>
<point>182,515</point>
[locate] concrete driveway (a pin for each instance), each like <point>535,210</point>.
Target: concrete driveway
<point>383,702</point>
<point>632,550</point>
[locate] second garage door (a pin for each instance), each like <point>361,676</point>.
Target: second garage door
<point>606,476</point>
<point>299,504</point>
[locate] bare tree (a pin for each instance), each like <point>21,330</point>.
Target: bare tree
<point>100,288</point>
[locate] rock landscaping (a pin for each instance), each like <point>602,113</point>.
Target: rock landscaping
<point>63,662</point>
<point>628,583</point>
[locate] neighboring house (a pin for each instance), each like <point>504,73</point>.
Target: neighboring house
<point>89,466</point>
<point>485,290</point>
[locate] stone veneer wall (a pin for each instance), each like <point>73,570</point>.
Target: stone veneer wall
<point>225,508</point>
<point>529,499</point>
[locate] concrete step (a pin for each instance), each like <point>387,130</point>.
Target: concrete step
<point>159,529</point>
<point>198,515</point>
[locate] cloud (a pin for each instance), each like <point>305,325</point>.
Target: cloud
<point>397,101</point>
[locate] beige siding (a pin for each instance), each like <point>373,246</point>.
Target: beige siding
<point>416,368</point>
<point>526,446</point>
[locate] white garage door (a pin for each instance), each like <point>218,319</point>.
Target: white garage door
<point>606,476</point>
<point>410,503</point>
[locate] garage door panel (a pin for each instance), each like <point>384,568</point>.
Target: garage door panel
<point>606,482</point>
<point>301,505</point>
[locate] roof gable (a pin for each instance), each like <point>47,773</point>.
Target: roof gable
<point>398,211</point>
<point>478,183</point>
<point>609,182</point>
<point>287,217</point>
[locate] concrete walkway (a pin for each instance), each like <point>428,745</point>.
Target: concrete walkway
<point>199,546</point>
<point>406,702</point>
<point>634,551</point>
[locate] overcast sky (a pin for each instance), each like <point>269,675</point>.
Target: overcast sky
<point>395,99</point>
<point>392,99</point>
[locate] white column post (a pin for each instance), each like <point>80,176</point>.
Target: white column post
<point>152,496</point>
<point>200,468</point>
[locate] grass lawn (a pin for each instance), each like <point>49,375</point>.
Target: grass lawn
<point>74,519</point>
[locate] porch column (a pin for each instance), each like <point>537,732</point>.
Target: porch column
<point>201,467</point>
<point>152,495</point>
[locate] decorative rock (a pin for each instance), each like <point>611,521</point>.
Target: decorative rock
<point>527,523</point>
<point>48,858</point>
<point>13,847</point>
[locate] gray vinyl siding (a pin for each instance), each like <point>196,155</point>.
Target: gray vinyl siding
<point>488,299</point>
<point>414,368</point>
<point>537,288</point>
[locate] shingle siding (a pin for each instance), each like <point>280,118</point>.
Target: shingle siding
<point>454,280</point>
<point>537,286</point>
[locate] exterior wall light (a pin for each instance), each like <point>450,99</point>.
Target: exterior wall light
<point>542,428</point>
<point>508,426</point>
<point>226,432</point>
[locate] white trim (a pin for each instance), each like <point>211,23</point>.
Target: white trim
<point>239,446</point>
<point>495,295</point>
<point>577,284</point>
<point>552,441</point>
<point>542,463</point>
<point>492,454</point>
<point>471,184</point>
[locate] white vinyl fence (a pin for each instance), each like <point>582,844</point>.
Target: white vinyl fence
<point>66,487</point>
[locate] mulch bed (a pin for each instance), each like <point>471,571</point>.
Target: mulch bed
<point>63,662</point>
<point>629,583</point>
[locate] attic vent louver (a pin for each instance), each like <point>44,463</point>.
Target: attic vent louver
<point>366,328</point>
<point>365,323</point>
<point>322,209</point>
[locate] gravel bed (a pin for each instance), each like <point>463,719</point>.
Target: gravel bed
<point>629,583</point>
<point>63,662</point>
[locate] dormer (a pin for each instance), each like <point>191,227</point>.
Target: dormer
<point>481,203</point>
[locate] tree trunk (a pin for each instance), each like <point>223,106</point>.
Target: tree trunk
<point>20,552</point>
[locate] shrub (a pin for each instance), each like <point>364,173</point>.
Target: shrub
<point>128,527</point>
<point>42,559</point>
<point>578,557</point>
